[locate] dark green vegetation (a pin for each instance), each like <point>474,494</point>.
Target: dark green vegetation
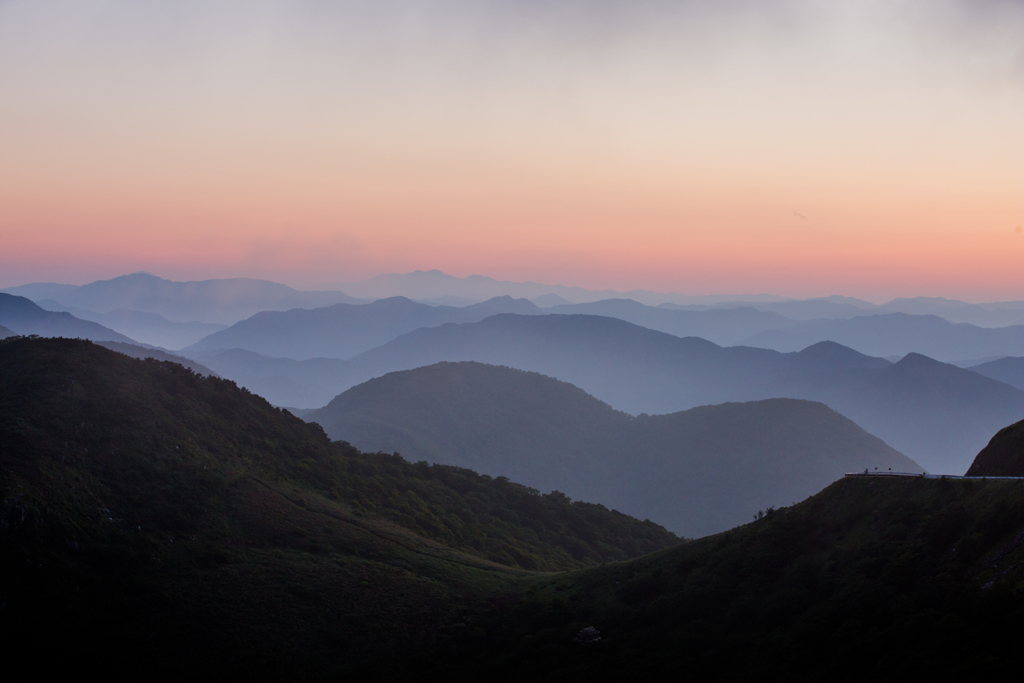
<point>872,579</point>
<point>697,472</point>
<point>1003,456</point>
<point>152,512</point>
<point>22,316</point>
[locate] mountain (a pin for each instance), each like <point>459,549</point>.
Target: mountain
<point>725,326</point>
<point>1007,370</point>
<point>23,317</point>
<point>147,328</point>
<point>344,330</point>
<point>1001,314</point>
<point>143,353</point>
<point>156,519</point>
<point>897,334</point>
<point>872,579</point>
<point>936,414</point>
<point>282,381</point>
<point>4,332</point>
<point>1003,456</point>
<point>434,284</point>
<point>206,301</point>
<point>696,472</point>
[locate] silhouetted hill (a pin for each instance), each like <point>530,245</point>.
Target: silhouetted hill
<point>697,472</point>
<point>996,314</point>
<point>143,353</point>
<point>156,518</point>
<point>1007,370</point>
<point>4,332</point>
<point>1003,456</point>
<point>643,371</point>
<point>146,328</point>
<point>23,317</point>
<point>207,301</point>
<point>344,330</point>
<point>724,326</point>
<point>871,579</point>
<point>897,334</point>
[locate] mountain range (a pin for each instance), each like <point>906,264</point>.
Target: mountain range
<point>159,521</point>
<point>21,316</point>
<point>1007,370</point>
<point>696,472</point>
<point>208,301</point>
<point>937,414</point>
<point>344,330</point>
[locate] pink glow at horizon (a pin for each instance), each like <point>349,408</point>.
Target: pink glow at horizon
<point>798,148</point>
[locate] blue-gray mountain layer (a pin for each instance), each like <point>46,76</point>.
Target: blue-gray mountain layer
<point>696,472</point>
<point>937,414</point>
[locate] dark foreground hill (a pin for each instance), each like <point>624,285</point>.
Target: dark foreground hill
<point>22,316</point>
<point>1003,456</point>
<point>872,579</point>
<point>937,414</point>
<point>154,516</point>
<point>697,472</point>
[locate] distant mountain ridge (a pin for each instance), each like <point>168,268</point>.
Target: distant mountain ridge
<point>937,414</point>
<point>21,316</point>
<point>207,301</point>
<point>696,472</point>
<point>1007,370</point>
<point>344,330</point>
<point>897,334</point>
<point>147,328</point>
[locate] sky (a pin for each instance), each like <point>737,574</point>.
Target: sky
<point>871,149</point>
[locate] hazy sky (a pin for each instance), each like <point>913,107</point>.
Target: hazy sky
<point>874,149</point>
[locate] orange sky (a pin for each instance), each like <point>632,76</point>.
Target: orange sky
<point>872,149</point>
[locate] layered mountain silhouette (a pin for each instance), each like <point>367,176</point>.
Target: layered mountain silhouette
<point>724,326</point>
<point>307,383</point>
<point>4,332</point>
<point>696,472</point>
<point>897,334</point>
<point>146,328</point>
<point>206,301</point>
<point>155,520</point>
<point>1007,370</point>
<point>344,330</point>
<point>937,414</point>
<point>22,316</point>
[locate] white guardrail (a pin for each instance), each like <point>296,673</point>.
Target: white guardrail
<point>924,475</point>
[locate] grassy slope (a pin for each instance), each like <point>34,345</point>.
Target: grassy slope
<point>900,579</point>
<point>150,512</point>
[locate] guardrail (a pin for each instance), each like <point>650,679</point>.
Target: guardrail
<point>922,475</point>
